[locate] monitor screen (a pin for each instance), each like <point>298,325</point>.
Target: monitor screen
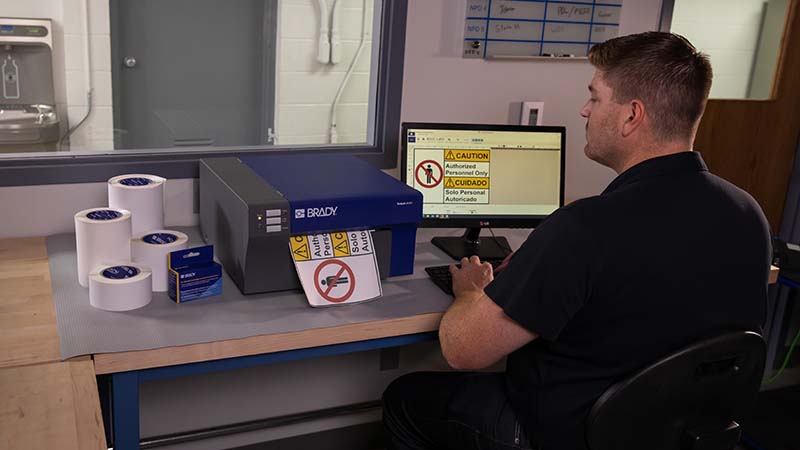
<point>484,175</point>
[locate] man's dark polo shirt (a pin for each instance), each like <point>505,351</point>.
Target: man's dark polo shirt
<point>667,255</point>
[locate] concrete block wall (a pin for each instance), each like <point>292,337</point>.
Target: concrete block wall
<point>306,88</point>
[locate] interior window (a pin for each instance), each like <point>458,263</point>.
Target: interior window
<point>199,74</point>
<point>742,39</point>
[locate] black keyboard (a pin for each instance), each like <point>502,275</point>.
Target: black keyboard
<point>444,279</point>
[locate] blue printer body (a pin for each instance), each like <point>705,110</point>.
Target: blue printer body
<point>250,206</point>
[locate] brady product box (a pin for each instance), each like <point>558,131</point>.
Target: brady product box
<point>193,274</point>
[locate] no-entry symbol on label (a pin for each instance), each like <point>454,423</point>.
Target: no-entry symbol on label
<point>334,281</point>
<point>429,173</point>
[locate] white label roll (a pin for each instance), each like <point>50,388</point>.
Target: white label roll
<point>151,249</point>
<point>143,196</point>
<point>102,235</point>
<point>120,287</point>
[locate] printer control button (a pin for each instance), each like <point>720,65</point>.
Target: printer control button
<point>274,229</point>
<point>273,212</point>
<point>273,220</point>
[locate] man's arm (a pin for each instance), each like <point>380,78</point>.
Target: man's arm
<point>475,332</point>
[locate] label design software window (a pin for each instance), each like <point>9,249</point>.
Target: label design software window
<point>491,173</point>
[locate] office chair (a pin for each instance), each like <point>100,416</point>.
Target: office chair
<point>689,400</point>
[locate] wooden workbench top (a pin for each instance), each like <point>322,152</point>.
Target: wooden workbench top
<point>28,332</point>
<point>255,345</point>
<point>44,402</point>
<point>51,406</point>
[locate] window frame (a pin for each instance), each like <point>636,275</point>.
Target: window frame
<point>42,169</point>
<point>665,15</point>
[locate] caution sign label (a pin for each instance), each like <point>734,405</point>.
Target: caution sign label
<point>321,246</point>
<point>337,268</point>
<point>341,246</point>
<point>300,250</point>
<point>462,169</point>
<point>452,176</point>
<point>466,196</point>
<point>467,155</point>
<point>466,183</point>
<point>360,243</point>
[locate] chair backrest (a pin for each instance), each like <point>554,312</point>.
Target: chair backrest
<point>688,400</point>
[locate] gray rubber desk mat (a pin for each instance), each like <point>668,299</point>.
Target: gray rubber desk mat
<point>84,330</point>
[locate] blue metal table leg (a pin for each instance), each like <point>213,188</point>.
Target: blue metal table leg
<point>125,406</point>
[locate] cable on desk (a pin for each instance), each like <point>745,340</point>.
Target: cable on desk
<point>500,244</point>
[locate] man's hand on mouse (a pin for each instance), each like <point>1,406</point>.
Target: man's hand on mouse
<point>472,277</point>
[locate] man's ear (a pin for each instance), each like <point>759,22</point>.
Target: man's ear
<point>635,117</point>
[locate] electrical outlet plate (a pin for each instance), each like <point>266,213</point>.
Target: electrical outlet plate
<point>532,113</point>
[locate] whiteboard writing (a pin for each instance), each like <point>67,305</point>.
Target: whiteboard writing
<point>530,28</point>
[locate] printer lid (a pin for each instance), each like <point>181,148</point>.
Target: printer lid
<point>337,192</point>
<point>311,177</point>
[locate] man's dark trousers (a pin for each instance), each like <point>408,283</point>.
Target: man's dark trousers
<point>450,410</point>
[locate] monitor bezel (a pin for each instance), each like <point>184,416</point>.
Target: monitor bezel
<point>528,221</point>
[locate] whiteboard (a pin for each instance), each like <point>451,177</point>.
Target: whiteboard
<point>538,28</point>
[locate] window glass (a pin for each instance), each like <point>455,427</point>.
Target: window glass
<point>742,39</point>
<point>188,74</point>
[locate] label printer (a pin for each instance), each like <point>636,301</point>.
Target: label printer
<point>250,206</point>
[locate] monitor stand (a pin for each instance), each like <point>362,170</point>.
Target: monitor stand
<point>472,244</point>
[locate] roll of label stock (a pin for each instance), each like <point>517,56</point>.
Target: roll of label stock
<point>151,249</point>
<point>102,235</point>
<point>143,196</point>
<point>120,286</point>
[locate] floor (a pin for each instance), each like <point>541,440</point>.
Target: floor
<point>773,425</point>
<point>357,437</point>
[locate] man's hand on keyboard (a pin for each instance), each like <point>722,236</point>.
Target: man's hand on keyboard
<point>473,276</point>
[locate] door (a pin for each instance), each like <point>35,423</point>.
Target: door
<point>192,72</point>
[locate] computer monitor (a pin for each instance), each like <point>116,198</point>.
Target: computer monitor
<point>479,176</point>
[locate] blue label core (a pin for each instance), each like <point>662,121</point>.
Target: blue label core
<point>135,181</point>
<point>104,214</point>
<point>160,238</point>
<point>120,272</point>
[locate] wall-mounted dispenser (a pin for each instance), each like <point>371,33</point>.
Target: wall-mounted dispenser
<point>28,119</point>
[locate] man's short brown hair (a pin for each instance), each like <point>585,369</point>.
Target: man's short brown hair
<point>663,70</point>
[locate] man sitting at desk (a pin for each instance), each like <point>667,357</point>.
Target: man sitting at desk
<point>667,255</point>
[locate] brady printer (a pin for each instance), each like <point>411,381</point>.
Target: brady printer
<point>250,206</point>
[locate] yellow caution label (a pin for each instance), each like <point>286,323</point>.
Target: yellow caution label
<point>341,246</point>
<point>466,183</point>
<point>300,248</point>
<point>467,155</point>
